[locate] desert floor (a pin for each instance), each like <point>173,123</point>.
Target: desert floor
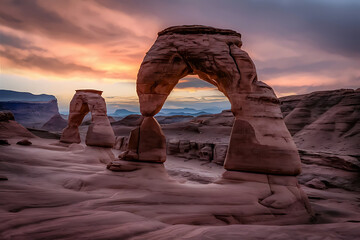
<point>54,191</point>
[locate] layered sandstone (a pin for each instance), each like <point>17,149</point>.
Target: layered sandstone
<point>325,120</point>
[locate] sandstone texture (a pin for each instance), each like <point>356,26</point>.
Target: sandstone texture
<point>325,120</point>
<point>99,132</point>
<point>146,143</point>
<point>260,141</point>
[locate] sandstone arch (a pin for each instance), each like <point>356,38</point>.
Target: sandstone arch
<point>100,132</point>
<point>260,141</point>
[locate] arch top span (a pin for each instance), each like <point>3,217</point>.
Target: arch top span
<point>198,29</point>
<point>215,55</point>
<point>260,141</point>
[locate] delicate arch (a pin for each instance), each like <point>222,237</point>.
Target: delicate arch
<point>260,141</point>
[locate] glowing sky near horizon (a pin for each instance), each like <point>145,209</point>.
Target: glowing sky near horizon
<point>55,47</point>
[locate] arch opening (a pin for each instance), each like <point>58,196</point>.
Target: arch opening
<point>192,92</point>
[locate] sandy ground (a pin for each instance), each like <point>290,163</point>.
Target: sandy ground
<point>54,191</point>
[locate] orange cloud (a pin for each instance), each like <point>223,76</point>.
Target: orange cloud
<point>82,42</point>
<point>296,80</point>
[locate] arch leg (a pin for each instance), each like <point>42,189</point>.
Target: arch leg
<point>260,141</point>
<point>78,110</point>
<point>152,142</point>
<point>156,79</point>
<point>100,132</point>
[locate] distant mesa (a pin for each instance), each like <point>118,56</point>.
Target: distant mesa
<point>8,95</point>
<point>29,110</point>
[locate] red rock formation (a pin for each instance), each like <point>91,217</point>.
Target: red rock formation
<point>100,132</point>
<point>260,141</point>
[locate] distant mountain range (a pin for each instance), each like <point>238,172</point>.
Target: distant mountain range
<point>171,112</point>
<point>123,113</point>
<point>8,95</point>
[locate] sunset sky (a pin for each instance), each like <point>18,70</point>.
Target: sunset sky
<point>55,47</point>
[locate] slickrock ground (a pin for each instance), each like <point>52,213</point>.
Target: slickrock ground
<point>58,191</point>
